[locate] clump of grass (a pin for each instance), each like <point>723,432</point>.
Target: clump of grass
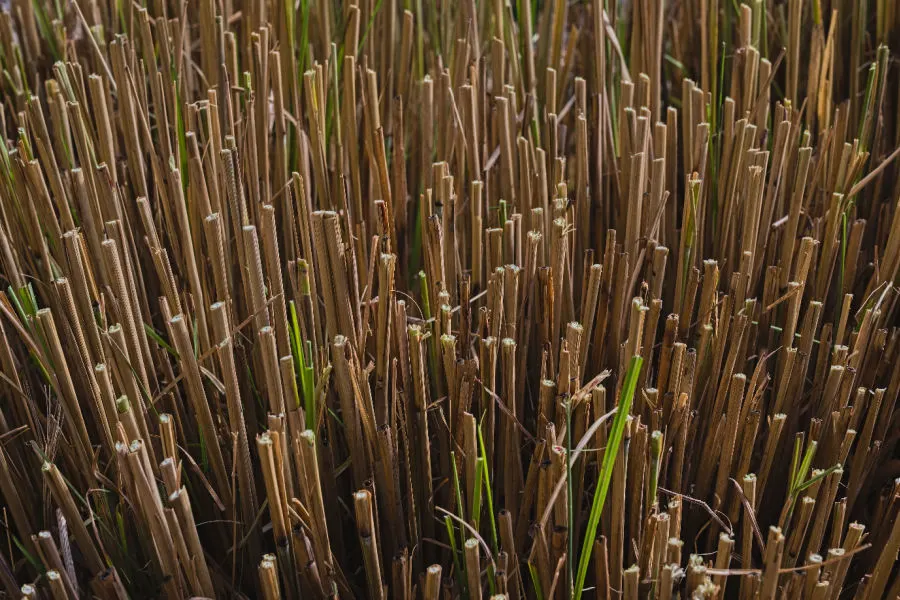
<point>410,299</point>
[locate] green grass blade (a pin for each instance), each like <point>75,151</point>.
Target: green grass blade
<point>816,478</point>
<point>487,489</point>
<point>458,568</point>
<point>532,571</point>
<point>461,508</point>
<point>606,470</point>
<point>160,340</point>
<point>477,492</point>
<point>805,464</point>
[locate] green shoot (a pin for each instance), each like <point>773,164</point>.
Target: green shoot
<point>616,434</point>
